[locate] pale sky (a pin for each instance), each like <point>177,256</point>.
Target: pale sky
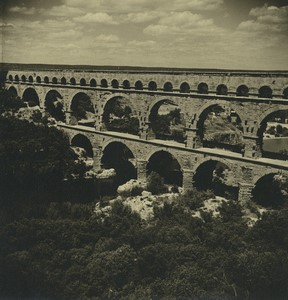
<point>229,34</point>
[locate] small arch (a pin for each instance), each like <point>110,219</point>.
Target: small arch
<point>30,79</point>
<point>104,83</point>
<point>126,84</point>
<point>202,88</point>
<point>167,166</point>
<point>138,85</point>
<point>93,82</point>
<point>46,79</point>
<point>16,78</point>
<point>82,81</point>
<point>184,87</point>
<point>63,80</point>
<point>31,96</point>
<point>168,87</point>
<point>81,141</point>
<point>54,80</point>
<point>152,86</point>
<point>221,89</point>
<point>23,78</point>
<point>10,77</point>
<point>72,81</point>
<point>242,91</point>
<point>285,93</point>
<point>38,79</point>
<point>265,92</point>
<point>115,84</point>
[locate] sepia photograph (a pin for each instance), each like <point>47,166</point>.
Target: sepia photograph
<point>144,149</point>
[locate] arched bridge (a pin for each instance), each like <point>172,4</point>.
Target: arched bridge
<point>88,104</point>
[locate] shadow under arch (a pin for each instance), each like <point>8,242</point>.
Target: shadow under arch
<point>82,108</point>
<point>54,105</point>
<point>13,91</point>
<point>118,156</point>
<point>274,146</point>
<point>167,166</point>
<point>119,116</point>
<point>267,191</point>
<point>166,120</point>
<point>31,97</point>
<point>216,175</point>
<point>219,126</point>
<point>82,141</point>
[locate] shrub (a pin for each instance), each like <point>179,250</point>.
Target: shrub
<point>155,184</point>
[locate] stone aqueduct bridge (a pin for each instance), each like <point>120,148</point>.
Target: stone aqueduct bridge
<point>253,96</point>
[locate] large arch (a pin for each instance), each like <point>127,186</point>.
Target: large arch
<point>13,91</point>
<point>82,141</point>
<point>269,138</point>
<point>166,120</point>
<point>82,108</point>
<point>118,156</point>
<point>31,97</point>
<point>268,191</point>
<point>215,175</point>
<point>54,105</point>
<point>219,126</point>
<point>167,166</point>
<point>119,116</point>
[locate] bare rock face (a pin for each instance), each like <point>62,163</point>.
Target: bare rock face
<point>127,188</point>
<point>106,173</point>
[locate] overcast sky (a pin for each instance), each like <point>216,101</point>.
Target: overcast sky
<point>233,34</point>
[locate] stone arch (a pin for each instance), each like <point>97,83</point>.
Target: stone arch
<point>215,174</point>
<point>38,79</point>
<point>267,191</point>
<point>30,79</point>
<point>119,115</point>
<point>104,83</point>
<point>54,105</point>
<point>242,91</point>
<point>72,81</point>
<point>230,136</point>
<point>54,80</point>
<point>221,89</point>
<point>138,85</point>
<point>167,165</point>
<point>118,155</point>
<point>46,79</point>
<point>81,106</point>
<point>115,84</point>
<point>168,87</point>
<point>265,91</point>
<point>184,87</point>
<point>31,96</point>
<point>10,77</point>
<point>175,129</point>
<point>63,81</point>
<point>82,141</point>
<point>23,78</point>
<point>83,82</point>
<point>93,82</point>
<point>285,93</point>
<point>152,86</point>
<point>13,91</point>
<point>202,88</point>
<point>126,84</point>
<point>16,78</point>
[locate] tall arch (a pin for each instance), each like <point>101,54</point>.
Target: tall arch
<point>215,175</point>
<point>167,166</point>
<point>118,116</point>
<point>152,86</point>
<point>82,107</point>
<point>118,156</point>
<point>265,92</point>
<point>31,97</point>
<point>82,141</point>
<point>168,87</point>
<point>138,85</point>
<point>184,87</point>
<point>202,88</point>
<point>242,91</point>
<point>54,105</point>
